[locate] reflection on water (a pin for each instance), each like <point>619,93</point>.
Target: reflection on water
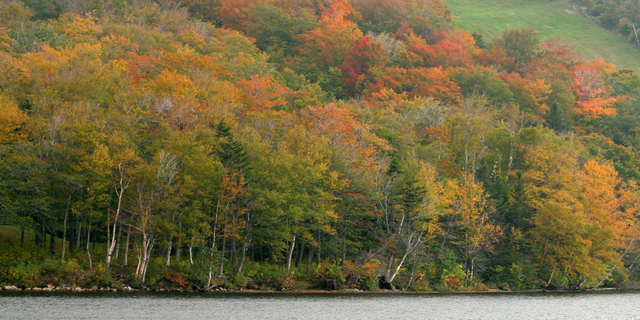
<point>584,305</point>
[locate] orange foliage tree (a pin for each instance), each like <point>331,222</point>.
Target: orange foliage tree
<point>591,92</point>
<point>441,49</point>
<point>427,82</point>
<point>353,144</point>
<point>263,92</point>
<point>326,46</point>
<point>530,93</point>
<point>234,14</point>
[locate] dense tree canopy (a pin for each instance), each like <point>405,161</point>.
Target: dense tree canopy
<point>295,144</point>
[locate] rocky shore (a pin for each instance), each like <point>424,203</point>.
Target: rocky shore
<point>66,288</point>
<point>219,289</point>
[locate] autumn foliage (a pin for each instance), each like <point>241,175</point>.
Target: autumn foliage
<point>589,87</point>
<point>330,144</point>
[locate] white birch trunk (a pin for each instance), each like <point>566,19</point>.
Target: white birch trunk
<point>122,186</point>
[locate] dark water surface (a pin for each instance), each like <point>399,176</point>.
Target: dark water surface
<point>178,306</point>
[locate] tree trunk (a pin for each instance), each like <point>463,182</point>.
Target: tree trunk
<point>550,278</point>
<point>210,261</point>
<point>178,250</point>
<point>108,232</point>
<point>243,256</point>
<point>78,232</point>
<point>168,262</point>
<point>635,31</point>
<point>64,229</point>
<point>319,251</point>
<point>139,256</point>
<point>179,246</point>
<point>233,253</point>
<point>120,193</point>
<point>37,240</point>
<point>389,266</point>
<point>126,247</point>
<point>22,237</point>
<point>146,265</point>
<point>309,258</point>
<point>43,236</point>
<point>246,242</point>
<point>413,272</point>
<point>148,241</point>
<point>290,253</point>
<point>89,242</point>
<point>300,254</point>
<point>118,243</point>
<point>52,242</point>
<point>410,247</point>
<point>221,270</point>
<point>72,236</point>
<point>344,250</point>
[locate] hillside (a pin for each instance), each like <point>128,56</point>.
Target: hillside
<point>294,145</point>
<point>553,19</point>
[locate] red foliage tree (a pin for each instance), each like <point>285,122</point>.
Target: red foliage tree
<point>358,62</point>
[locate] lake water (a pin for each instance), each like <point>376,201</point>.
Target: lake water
<point>177,306</point>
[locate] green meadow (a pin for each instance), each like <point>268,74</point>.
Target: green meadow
<point>553,19</point>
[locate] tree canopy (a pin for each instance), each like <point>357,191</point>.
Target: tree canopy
<point>309,144</point>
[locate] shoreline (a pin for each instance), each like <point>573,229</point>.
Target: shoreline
<point>221,290</point>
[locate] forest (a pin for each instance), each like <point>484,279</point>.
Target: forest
<point>308,144</point>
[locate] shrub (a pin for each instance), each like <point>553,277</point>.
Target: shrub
<point>23,274</point>
<point>101,277</point>
<point>367,276</point>
<point>197,273</point>
<point>268,276</point>
<point>330,278</point>
<point>363,277</point>
<point>12,254</point>
<point>239,281</point>
<point>175,279</point>
<point>17,265</point>
<point>420,281</point>
<point>154,271</point>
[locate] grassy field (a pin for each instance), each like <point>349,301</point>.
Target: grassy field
<point>13,233</point>
<point>553,19</point>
